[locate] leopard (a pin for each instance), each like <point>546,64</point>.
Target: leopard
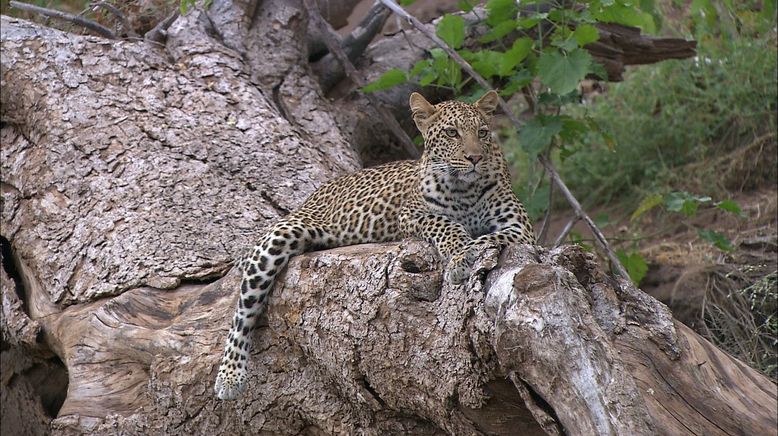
<point>456,196</point>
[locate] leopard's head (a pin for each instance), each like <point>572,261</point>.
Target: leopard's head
<point>457,139</point>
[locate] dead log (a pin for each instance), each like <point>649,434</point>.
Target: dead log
<point>131,177</point>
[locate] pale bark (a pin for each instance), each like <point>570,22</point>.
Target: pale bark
<point>132,176</point>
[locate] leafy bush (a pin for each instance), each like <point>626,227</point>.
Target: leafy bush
<point>667,116</point>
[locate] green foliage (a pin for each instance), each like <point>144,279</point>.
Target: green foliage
<point>685,203</point>
<point>451,29</point>
<point>561,71</point>
<point>513,64</point>
<point>387,80</point>
<point>730,206</point>
<point>716,239</point>
<point>668,116</point>
<point>635,265</point>
<point>688,204</point>
<point>538,133</point>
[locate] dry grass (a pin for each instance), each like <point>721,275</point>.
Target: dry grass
<point>743,321</point>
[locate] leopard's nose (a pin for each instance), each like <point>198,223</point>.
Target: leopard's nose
<point>474,158</point>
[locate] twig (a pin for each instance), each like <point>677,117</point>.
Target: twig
<point>159,32</point>
<point>75,19</point>
<point>331,40</point>
<point>599,237</point>
<point>118,13</point>
<point>546,216</point>
<point>566,230</point>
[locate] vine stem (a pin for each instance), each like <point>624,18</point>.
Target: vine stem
<point>557,180</point>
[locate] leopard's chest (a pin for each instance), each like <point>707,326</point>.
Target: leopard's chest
<point>459,201</point>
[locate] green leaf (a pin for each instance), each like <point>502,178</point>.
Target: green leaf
<point>572,129</point>
<point>730,206</point>
<point>500,10</point>
<point>562,72</point>
<point>627,15</point>
<point>465,5</point>
<point>683,202</point>
<point>419,67</point>
<point>387,80</point>
<point>526,23</point>
<point>717,239</point>
<point>576,238</point>
<point>428,78</point>
<point>516,82</point>
<point>635,265</point>
<point>486,62</point>
<point>585,34</point>
<point>448,71</point>
<point>517,53</point>
<point>451,29</point>
<point>647,204</point>
<point>537,133</point>
<point>499,31</point>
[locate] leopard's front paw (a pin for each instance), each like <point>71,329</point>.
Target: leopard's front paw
<point>458,269</point>
<point>231,381</point>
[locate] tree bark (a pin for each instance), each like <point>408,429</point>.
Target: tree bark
<point>132,176</point>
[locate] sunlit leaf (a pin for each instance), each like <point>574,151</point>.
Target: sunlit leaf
<point>517,53</point>
<point>500,10</point>
<point>465,5</point>
<point>562,72</point>
<point>451,29</point>
<point>585,34</point>
<point>499,31</point>
<point>387,80</point>
<point>647,204</point>
<point>486,62</point>
<point>627,15</point>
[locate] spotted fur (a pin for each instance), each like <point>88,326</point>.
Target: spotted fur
<point>457,197</point>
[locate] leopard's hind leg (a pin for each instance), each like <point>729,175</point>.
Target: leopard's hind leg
<point>285,239</point>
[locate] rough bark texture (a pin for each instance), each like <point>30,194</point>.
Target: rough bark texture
<point>133,175</point>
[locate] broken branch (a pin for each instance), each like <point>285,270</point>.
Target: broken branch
<point>333,44</point>
<point>64,16</point>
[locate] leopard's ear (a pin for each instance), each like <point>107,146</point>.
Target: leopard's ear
<point>421,111</point>
<point>488,102</point>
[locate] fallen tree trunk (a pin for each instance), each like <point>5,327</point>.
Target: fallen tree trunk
<point>364,339</point>
<point>131,177</point>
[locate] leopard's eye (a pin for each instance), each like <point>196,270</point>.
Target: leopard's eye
<point>451,132</point>
<point>483,133</point>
